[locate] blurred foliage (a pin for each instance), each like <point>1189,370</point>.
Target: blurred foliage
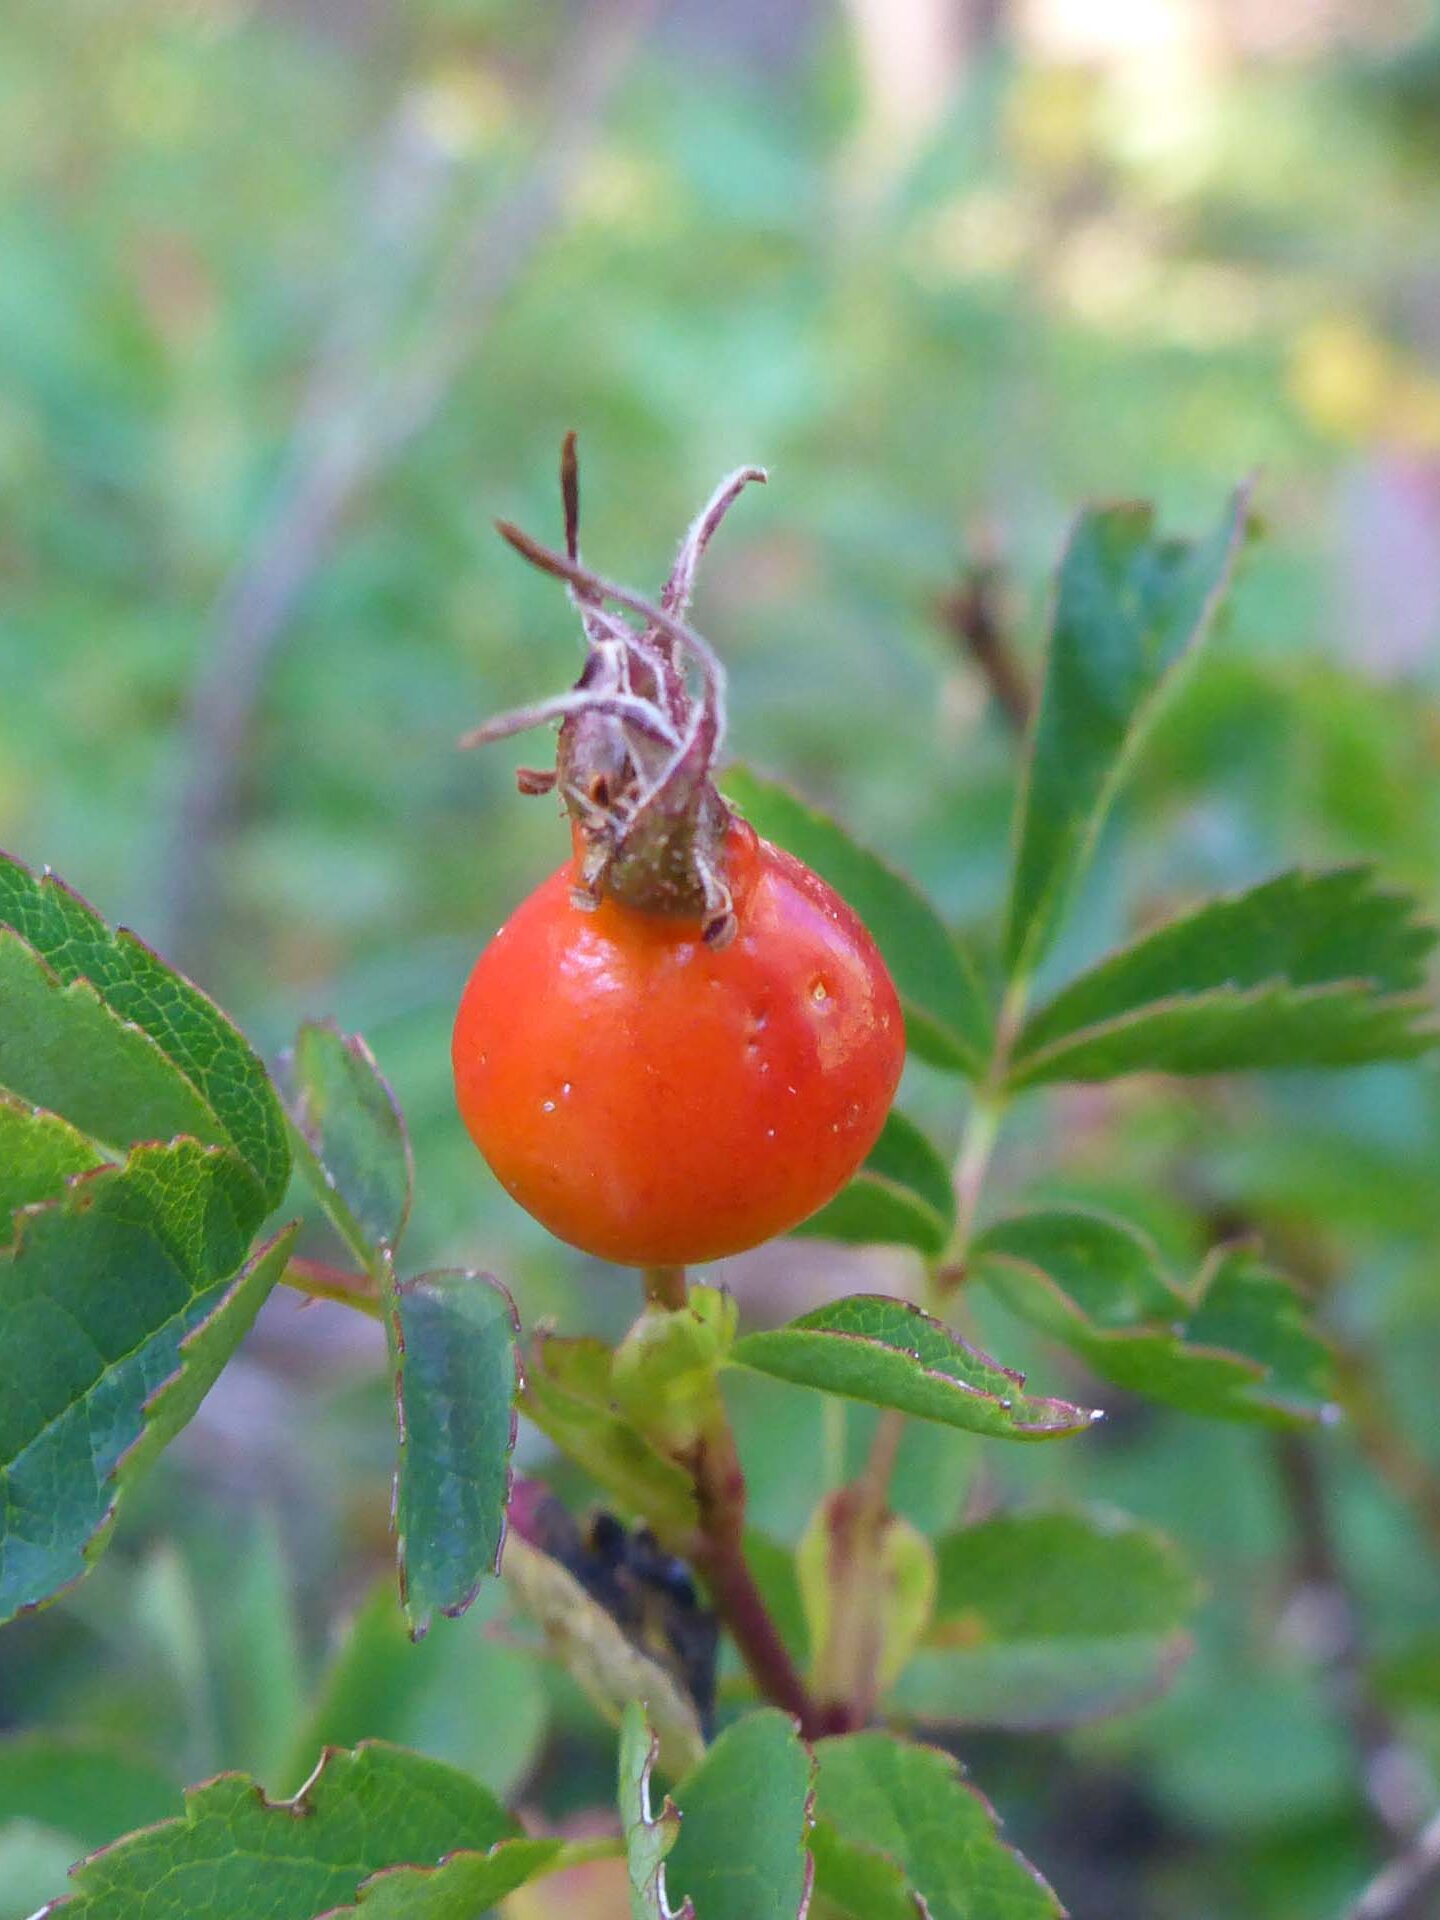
<point>1138,272</point>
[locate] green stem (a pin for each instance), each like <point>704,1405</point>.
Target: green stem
<point>580,1853</point>
<point>978,1140</point>
<point>319,1281</point>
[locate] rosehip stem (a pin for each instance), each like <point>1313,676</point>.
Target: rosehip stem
<point>718,1549</point>
<point>720,1557</point>
<point>665,1287</point>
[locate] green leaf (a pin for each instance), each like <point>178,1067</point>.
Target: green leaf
<point>236,1855</point>
<point>902,1196</point>
<point>947,1020</point>
<point>1129,606</point>
<point>648,1838</point>
<point>465,1886</point>
<point>1302,929</point>
<point>599,1656</point>
<point>891,1354</point>
<point>464,1697</point>
<point>890,1813</point>
<point>38,1153</point>
<point>91,1789</point>
<point>254,1637</point>
<point>138,988</point>
<point>359,1157</point>
<point>1047,1619</point>
<point>118,1307</point>
<point>568,1394</point>
<point>62,1047</point>
<point>456,1383</point>
<point>744,1811</point>
<point>1235,1345</point>
<point>1231,1029</point>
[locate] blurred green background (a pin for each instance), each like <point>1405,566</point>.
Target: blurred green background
<point>296,297</point>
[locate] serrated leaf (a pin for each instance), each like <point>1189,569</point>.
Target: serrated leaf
<point>1234,1345</point>
<point>902,1196</point>
<point>463,1887</point>
<point>236,1854</point>
<point>745,1813</point>
<point>885,1807</point>
<point>1230,1029</point>
<point>456,1382</point>
<point>62,1047</point>
<point>119,1304</point>
<point>568,1395</point>
<point>1303,929</point>
<point>602,1660</point>
<point>890,1354</point>
<point>359,1156</point>
<point>1048,1619</point>
<point>137,986</point>
<point>90,1789</point>
<point>39,1152</point>
<point>649,1838</point>
<point>947,1019</point>
<point>1128,607</point>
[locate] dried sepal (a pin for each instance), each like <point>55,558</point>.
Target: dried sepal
<point>641,729</point>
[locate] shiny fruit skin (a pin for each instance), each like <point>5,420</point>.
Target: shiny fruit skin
<point>656,1101</point>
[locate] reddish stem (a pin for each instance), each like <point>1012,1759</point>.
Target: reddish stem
<point>720,1556</point>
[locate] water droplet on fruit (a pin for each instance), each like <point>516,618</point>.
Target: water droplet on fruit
<point>565,1088</point>
<point>819,992</point>
<point>770,1133</point>
<point>547,1106</point>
